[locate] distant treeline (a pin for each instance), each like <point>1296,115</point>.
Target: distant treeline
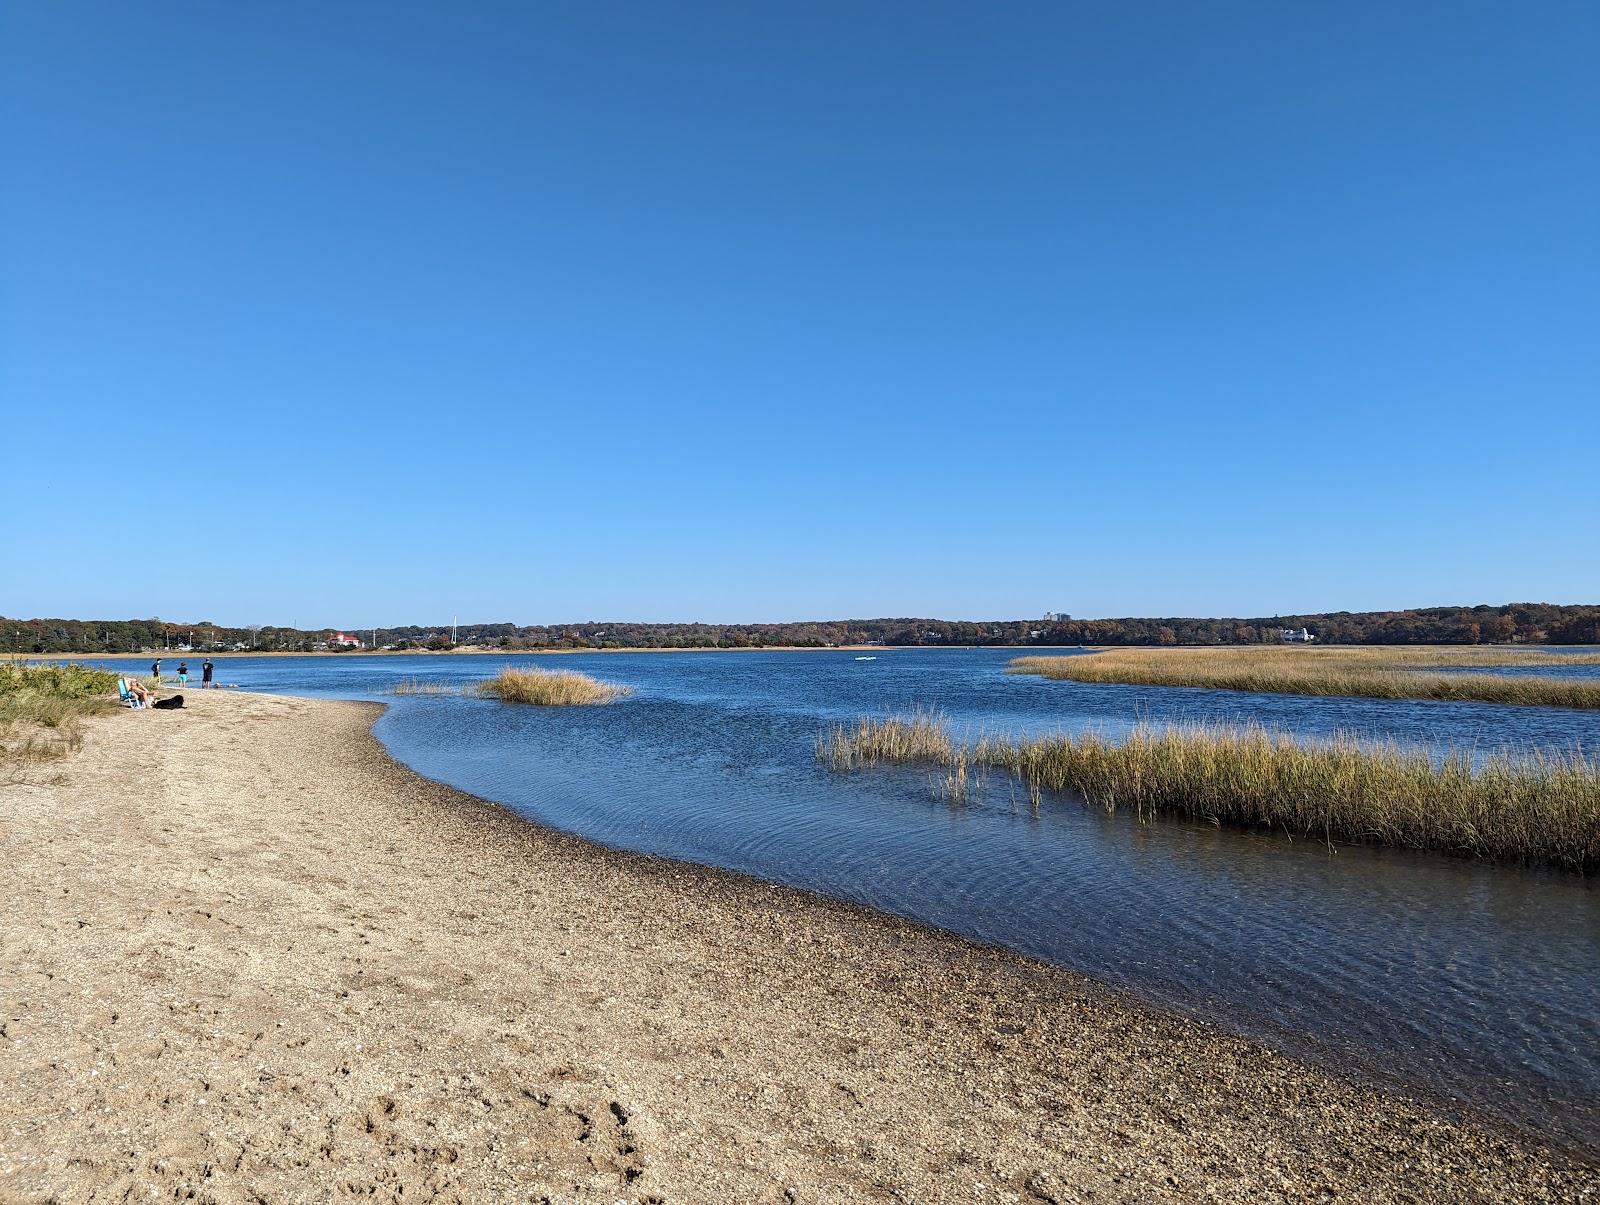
<point>1517,622</point>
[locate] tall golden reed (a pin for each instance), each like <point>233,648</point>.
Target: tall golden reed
<point>551,688</point>
<point>1543,807</point>
<point>423,686</point>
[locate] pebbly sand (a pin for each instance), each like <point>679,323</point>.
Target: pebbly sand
<point>248,958</point>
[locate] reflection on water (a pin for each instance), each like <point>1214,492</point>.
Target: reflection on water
<point>1470,980</point>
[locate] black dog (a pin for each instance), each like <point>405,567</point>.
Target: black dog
<point>172,704</point>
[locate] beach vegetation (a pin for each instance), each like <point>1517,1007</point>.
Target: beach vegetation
<point>550,688</point>
<point>1537,808</point>
<point>42,708</point>
<point>1379,673</point>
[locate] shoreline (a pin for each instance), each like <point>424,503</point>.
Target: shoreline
<point>483,652</point>
<point>345,972</point>
<point>1022,650</point>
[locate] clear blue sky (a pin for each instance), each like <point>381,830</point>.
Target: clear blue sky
<point>380,313</point>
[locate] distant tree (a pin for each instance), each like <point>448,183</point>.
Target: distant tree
<point>1498,629</point>
<point>1577,631</point>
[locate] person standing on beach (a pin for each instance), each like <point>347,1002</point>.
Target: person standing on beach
<point>205,674</point>
<point>155,671</point>
<point>183,673</point>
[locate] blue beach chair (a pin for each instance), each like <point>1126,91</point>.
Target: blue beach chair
<point>126,695</point>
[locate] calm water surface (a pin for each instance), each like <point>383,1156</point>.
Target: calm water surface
<point>1468,980</point>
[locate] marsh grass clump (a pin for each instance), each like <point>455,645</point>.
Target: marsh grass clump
<point>1378,673</point>
<point>422,686</point>
<point>1544,807</point>
<point>42,706</point>
<point>551,688</point>
<point>920,736</point>
<point>1541,807</point>
<point>956,786</point>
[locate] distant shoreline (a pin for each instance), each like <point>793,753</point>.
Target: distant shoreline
<point>1513,623</point>
<point>1018,649</point>
<point>481,652</point>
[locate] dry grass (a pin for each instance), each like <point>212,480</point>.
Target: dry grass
<point>1538,808</point>
<point>1379,673</point>
<point>423,686</point>
<point>551,688</point>
<point>918,737</point>
<point>42,706</point>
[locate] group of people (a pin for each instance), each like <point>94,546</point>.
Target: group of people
<point>140,695</point>
<point>183,673</point>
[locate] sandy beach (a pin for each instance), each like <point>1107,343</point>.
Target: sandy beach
<point>249,958</point>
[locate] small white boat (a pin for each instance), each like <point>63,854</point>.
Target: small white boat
<point>866,658</point>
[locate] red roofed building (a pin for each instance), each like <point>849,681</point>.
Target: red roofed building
<point>349,642</point>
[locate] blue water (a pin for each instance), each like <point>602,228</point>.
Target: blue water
<point>1460,978</point>
<point>1583,671</point>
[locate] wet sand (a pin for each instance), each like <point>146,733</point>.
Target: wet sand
<point>248,958</point>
